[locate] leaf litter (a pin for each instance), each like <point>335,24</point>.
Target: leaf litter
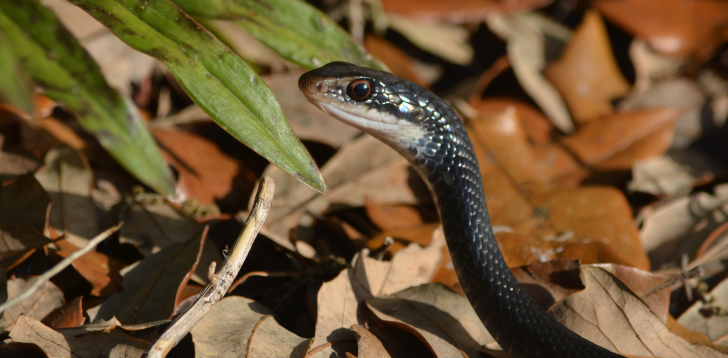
<point>600,141</point>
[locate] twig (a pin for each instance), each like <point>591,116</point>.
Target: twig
<point>221,281</point>
<point>59,267</point>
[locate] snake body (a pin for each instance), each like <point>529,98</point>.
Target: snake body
<point>426,131</point>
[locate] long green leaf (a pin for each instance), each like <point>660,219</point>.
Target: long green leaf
<point>217,79</point>
<point>68,75</point>
<point>296,30</point>
<point>14,82</point>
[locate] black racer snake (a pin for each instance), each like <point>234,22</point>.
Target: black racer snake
<point>426,131</point>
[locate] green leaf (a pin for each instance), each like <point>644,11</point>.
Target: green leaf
<point>217,79</point>
<point>58,64</point>
<point>296,30</point>
<point>14,82</point>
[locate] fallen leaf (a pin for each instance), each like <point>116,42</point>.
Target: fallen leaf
<point>42,302</point>
<point>461,11</point>
<point>338,300</point>
<point>16,163</point>
<point>586,74</point>
<point>256,332</point>
<point>441,318</point>
<point>100,270</point>
<point>612,316</point>
<point>443,40</point>
<point>617,141</point>
<point>395,58</point>
<point>705,316</point>
<point>369,345</point>
<point>668,175</point>
<point>151,286</point>
<point>205,172</point>
<point>651,67</point>
<point>68,179</point>
<point>42,134</point>
<point>390,217</point>
<point>24,208</point>
<point>681,94</point>
<point>381,174</point>
<point>547,222</point>
<point>526,48</point>
<point>153,226</point>
<point>68,316</point>
<point>668,224</point>
<point>54,344</point>
<point>675,27</point>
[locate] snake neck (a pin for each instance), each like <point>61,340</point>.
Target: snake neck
<point>451,171</point>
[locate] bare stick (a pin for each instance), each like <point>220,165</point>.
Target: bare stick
<point>219,283</point>
<point>59,267</point>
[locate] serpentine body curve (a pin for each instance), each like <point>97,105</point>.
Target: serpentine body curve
<point>425,130</point>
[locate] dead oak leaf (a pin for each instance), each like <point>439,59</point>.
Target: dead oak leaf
<point>586,74</point>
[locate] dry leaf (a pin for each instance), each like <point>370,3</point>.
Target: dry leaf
<point>586,74</point>
<point>338,299</point>
<point>390,217</point>
<point>704,315</point>
<point>668,175</point>
<point>680,94</point>
<point>460,11</point>
<point>54,344</point>
<point>256,333</point>
<point>68,179</point>
<point>42,302</point>
<point>395,58</point>
<point>675,27</point>
<point>101,271</point>
<point>609,314</point>
<point>526,48</point>
<point>544,222</point>
<point>444,40</point>
<point>68,316</point>
<point>666,226</point>
<point>151,287</point>
<point>205,172</point>
<point>381,174</point>
<point>441,318</point>
<point>24,208</point>
<point>369,345</point>
<point>617,141</point>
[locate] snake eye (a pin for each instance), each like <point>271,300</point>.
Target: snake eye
<point>360,90</point>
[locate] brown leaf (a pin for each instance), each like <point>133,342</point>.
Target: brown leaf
<point>151,287</point>
<point>442,319</point>
<point>54,344</point>
<point>586,74</point>
<point>152,226</point>
<point>369,345</point>
<point>70,315</point>
<point>460,11</point>
<point>256,332</point>
<point>68,179</point>
<point>391,217</point>
<point>338,299</point>
<point>42,302</point>
<point>676,27</point>
<point>205,173</point>
<point>703,316</point>
<point>544,222</point>
<point>614,317</point>
<point>420,235</point>
<point>24,207</point>
<point>617,141</point>
<point>382,175</point>
<point>397,60</point>
<point>537,128</point>
<point>101,271</point>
